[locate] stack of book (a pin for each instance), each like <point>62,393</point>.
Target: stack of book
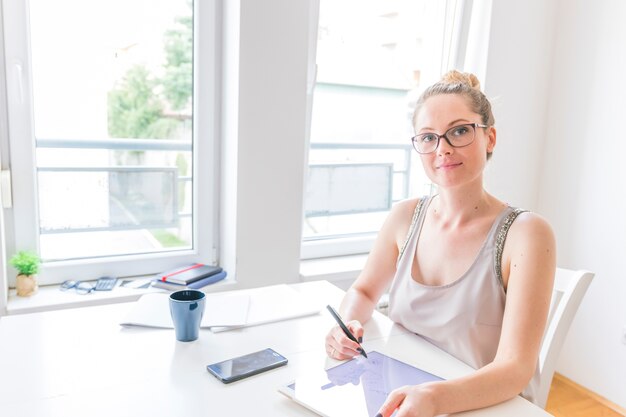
<point>192,276</point>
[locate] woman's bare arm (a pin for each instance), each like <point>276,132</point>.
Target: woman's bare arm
<point>361,298</point>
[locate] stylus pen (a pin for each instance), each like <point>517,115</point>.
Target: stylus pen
<point>345,329</point>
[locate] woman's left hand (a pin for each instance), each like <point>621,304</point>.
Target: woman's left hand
<point>409,401</point>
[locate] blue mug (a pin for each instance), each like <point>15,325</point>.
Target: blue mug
<point>187,309</point>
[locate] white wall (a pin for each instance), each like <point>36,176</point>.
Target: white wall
<point>555,70</point>
<point>264,126</point>
<point>4,159</point>
<point>516,80</point>
<point>582,188</point>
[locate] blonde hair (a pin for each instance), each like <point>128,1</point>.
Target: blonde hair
<point>463,84</point>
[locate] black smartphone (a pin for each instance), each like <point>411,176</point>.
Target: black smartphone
<point>247,365</point>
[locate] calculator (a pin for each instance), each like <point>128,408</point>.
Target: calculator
<point>105,283</point>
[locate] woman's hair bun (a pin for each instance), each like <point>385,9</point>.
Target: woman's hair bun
<point>457,77</point>
<point>462,84</point>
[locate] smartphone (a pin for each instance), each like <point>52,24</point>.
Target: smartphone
<point>247,365</point>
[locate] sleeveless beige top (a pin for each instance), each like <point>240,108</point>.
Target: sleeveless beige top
<point>464,318</point>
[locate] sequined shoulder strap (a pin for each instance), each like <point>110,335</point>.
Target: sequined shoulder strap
<point>501,238</point>
<point>416,215</point>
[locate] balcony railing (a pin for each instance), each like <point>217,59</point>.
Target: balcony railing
<point>333,190</point>
<point>128,197</point>
<point>352,187</point>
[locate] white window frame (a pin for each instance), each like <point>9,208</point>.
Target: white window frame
<point>453,52</point>
<point>21,220</point>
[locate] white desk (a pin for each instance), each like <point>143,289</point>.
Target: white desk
<point>80,362</point>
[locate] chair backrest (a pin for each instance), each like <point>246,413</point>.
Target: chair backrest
<point>569,289</point>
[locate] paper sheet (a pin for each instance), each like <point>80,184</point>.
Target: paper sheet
<point>152,310</point>
<point>275,303</point>
<point>227,310</point>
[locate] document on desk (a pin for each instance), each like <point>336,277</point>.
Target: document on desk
<point>153,310</point>
<point>272,304</point>
<point>228,310</point>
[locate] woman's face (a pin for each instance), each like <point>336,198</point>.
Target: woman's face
<point>448,166</point>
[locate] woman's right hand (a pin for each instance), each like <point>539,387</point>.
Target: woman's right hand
<point>339,346</point>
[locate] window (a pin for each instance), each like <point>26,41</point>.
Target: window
<point>372,59</point>
<point>104,133</point>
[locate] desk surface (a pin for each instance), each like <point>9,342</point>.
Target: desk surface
<point>80,362</point>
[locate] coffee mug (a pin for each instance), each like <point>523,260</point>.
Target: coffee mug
<point>187,309</point>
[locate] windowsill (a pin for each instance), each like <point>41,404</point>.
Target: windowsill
<point>340,270</point>
<point>49,297</point>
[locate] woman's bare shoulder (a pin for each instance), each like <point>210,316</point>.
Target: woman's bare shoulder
<point>400,217</point>
<point>402,212</point>
<point>406,206</point>
<point>529,254</point>
<point>530,234</point>
<point>530,225</point>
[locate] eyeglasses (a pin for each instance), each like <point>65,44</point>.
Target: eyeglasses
<point>79,286</point>
<point>457,137</point>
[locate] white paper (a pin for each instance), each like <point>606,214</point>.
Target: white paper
<point>275,303</point>
<point>227,310</point>
<point>152,310</point>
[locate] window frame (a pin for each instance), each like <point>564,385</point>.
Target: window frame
<point>21,232</point>
<point>453,54</point>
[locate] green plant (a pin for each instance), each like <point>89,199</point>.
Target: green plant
<point>26,263</point>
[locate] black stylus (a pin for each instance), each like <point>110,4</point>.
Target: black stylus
<point>345,329</point>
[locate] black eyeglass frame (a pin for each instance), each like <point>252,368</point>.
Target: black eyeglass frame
<point>445,136</point>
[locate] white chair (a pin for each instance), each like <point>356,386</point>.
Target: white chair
<point>569,289</point>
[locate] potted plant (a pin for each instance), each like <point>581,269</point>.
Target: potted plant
<point>27,265</point>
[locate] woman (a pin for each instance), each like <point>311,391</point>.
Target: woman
<point>467,272</point>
